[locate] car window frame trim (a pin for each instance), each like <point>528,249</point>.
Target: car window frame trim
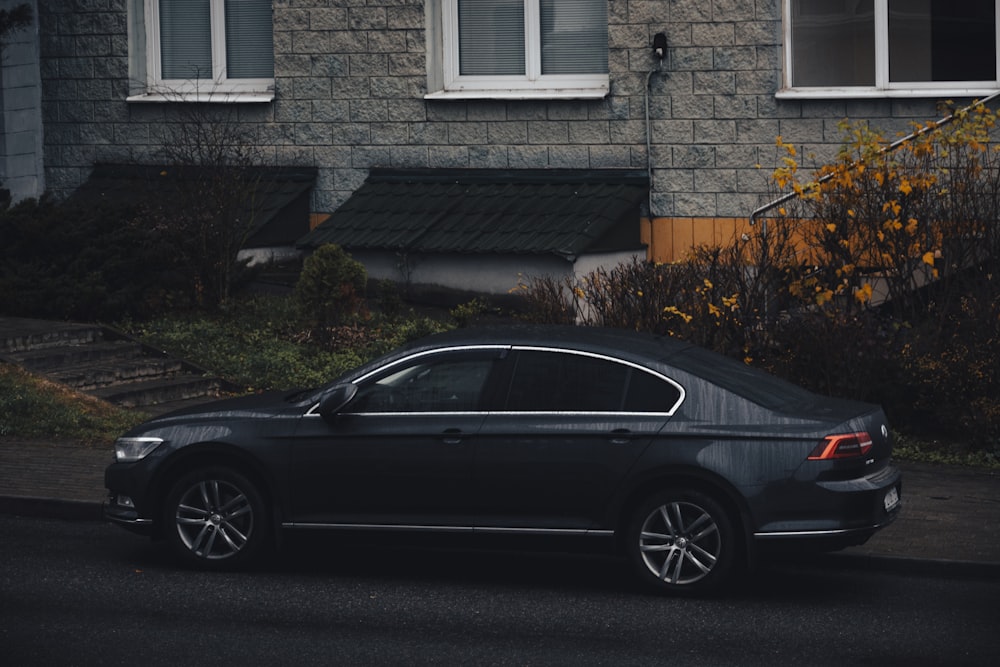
<point>504,347</point>
<point>312,412</point>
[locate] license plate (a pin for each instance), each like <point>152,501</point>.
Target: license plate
<point>891,499</point>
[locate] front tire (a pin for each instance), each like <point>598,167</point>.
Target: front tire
<point>681,542</point>
<point>215,518</point>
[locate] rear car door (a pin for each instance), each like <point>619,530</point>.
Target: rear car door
<point>400,453</point>
<point>570,426</point>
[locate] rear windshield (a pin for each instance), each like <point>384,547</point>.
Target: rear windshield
<point>751,383</point>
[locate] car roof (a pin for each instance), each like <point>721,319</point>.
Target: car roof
<point>614,342</point>
<point>730,374</point>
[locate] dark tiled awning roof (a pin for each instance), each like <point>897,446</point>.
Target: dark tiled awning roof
<point>562,212</point>
<point>280,200</point>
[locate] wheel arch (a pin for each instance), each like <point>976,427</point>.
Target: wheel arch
<point>212,454</point>
<point>695,479</point>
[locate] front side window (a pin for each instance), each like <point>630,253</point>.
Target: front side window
<point>443,384</point>
<point>891,47</point>
<point>523,48</point>
<point>197,49</point>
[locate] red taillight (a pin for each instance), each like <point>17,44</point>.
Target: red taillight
<point>842,446</point>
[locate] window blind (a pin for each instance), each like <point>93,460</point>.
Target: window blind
<point>185,39</point>
<point>249,40</point>
<point>574,36</point>
<point>491,37</point>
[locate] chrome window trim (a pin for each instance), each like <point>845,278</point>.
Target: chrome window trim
<point>416,355</point>
<point>527,348</point>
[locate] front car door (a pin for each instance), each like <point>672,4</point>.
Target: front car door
<point>400,452</point>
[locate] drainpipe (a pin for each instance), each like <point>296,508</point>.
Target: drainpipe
<point>659,52</point>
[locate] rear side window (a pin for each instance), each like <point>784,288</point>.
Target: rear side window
<point>649,393</point>
<point>554,381</point>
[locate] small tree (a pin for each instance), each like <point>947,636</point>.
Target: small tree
<point>216,164</point>
<point>331,287</point>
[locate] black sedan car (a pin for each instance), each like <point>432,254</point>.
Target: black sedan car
<point>689,460</point>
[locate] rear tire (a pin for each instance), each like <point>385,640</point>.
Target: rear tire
<point>216,518</point>
<point>681,542</point>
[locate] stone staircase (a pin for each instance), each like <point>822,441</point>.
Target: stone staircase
<point>105,364</point>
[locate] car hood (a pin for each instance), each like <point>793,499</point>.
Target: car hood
<point>262,405</point>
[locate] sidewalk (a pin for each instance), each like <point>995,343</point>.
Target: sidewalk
<point>950,517</point>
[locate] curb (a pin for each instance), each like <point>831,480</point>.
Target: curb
<point>911,565</point>
<point>51,508</point>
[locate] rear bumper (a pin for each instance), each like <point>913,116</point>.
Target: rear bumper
<point>860,509</point>
<point>821,540</point>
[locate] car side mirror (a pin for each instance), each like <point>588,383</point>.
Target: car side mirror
<point>336,399</point>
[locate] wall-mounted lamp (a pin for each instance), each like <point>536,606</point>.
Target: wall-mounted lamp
<point>660,45</point>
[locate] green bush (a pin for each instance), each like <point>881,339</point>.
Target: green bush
<point>952,374</point>
<point>99,262</point>
<point>331,289</point>
<point>837,353</point>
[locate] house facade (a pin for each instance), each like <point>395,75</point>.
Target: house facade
<point>690,93</point>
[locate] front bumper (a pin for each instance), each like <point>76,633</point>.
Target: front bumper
<point>126,516</point>
<point>126,498</point>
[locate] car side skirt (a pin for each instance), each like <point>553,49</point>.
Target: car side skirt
<point>446,529</point>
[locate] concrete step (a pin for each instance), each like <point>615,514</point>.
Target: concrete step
<point>22,335</point>
<point>90,376</point>
<point>105,364</point>
<point>77,354</point>
<point>162,390</point>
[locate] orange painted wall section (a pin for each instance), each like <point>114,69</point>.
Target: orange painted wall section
<point>316,219</point>
<point>670,239</point>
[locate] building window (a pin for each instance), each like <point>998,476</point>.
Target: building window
<point>519,48</point>
<point>890,47</point>
<point>208,50</point>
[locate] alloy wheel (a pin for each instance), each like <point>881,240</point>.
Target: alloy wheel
<point>680,542</point>
<point>214,519</point>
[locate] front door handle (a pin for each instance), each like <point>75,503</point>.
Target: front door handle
<point>452,436</point>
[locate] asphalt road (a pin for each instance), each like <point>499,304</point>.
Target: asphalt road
<point>87,593</point>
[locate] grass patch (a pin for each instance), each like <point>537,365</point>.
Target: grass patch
<point>262,342</point>
<point>928,450</point>
<point>33,408</point>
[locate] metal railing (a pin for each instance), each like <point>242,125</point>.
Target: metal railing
<point>931,127</point>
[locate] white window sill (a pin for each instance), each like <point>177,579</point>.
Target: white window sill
<point>878,93</point>
<point>219,97</point>
<point>534,94</point>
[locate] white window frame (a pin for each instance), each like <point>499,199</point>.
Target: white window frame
<point>883,87</point>
<point>218,88</point>
<point>533,85</point>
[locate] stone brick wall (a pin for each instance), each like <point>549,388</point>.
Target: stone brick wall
<point>351,75</point>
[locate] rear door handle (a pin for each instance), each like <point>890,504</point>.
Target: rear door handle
<point>621,436</point>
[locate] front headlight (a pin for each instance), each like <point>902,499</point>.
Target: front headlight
<point>129,450</point>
